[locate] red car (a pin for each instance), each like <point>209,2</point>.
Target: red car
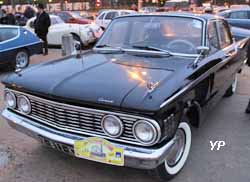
<point>73,17</point>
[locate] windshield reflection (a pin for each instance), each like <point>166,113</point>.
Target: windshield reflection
<point>174,34</point>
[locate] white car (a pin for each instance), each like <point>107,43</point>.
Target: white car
<point>148,9</point>
<point>105,17</point>
<point>85,34</point>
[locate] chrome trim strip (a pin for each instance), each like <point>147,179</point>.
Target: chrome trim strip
<point>134,156</point>
<point>193,83</point>
<point>94,111</point>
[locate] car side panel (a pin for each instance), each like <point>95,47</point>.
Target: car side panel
<point>242,23</point>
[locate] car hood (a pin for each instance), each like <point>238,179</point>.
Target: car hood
<point>119,80</point>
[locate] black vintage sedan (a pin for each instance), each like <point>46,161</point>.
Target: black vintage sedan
<point>131,101</point>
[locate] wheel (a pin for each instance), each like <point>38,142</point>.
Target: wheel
<point>232,89</point>
<point>22,59</point>
<point>178,154</point>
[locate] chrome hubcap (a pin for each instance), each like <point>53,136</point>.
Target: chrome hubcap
<point>21,60</point>
<point>177,149</point>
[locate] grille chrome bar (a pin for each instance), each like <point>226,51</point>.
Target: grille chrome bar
<point>80,120</point>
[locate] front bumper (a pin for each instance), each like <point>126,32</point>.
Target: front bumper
<point>135,157</point>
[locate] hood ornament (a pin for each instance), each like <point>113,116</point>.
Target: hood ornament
<point>152,86</point>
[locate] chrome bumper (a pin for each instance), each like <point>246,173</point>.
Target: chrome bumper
<point>135,157</point>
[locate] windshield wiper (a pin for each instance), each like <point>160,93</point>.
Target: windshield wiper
<point>151,48</point>
<point>103,45</point>
<point>109,48</point>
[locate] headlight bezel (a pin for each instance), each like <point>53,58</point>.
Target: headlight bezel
<point>156,131</point>
<point>20,108</point>
<point>119,122</point>
<point>13,95</point>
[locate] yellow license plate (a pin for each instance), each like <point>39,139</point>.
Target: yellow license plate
<point>99,150</point>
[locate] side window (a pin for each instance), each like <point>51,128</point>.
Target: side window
<point>225,35</point>
<point>8,33</point>
<point>226,15</point>
<point>239,15</point>
<point>213,37</point>
<point>102,16</point>
<point>125,13</point>
<point>111,15</point>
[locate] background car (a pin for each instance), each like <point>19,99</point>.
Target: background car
<point>237,17</point>
<point>175,5</point>
<point>219,9</point>
<point>238,6</point>
<point>85,34</point>
<point>239,34</point>
<point>105,17</point>
<point>17,45</point>
<point>148,9</point>
<point>85,14</point>
<point>73,17</point>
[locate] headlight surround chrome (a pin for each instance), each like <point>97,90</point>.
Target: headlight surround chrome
<point>110,121</point>
<point>146,132</point>
<point>23,104</point>
<point>10,99</point>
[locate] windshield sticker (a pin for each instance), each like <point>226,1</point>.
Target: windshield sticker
<point>196,24</point>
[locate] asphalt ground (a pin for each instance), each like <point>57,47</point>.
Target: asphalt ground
<point>23,159</point>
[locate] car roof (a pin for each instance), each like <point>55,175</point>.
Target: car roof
<point>118,10</point>
<point>234,10</point>
<point>204,17</point>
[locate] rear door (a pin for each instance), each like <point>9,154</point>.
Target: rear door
<point>230,57</point>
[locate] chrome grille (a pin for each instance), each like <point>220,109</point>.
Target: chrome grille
<point>78,120</point>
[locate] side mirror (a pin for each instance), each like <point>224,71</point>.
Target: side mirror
<point>203,50</point>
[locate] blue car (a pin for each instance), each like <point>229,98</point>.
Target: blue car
<point>237,17</point>
<point>239,34</point>
<point>17,45</point>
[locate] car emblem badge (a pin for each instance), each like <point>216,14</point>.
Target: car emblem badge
<point>105,100</point>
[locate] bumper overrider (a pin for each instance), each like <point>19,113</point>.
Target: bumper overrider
<point>135,157</point>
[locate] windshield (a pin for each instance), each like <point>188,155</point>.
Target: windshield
<point>175,34</point>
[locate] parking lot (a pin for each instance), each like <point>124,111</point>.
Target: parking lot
<point>23,159</point>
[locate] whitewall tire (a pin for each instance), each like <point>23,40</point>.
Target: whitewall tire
<point>178,154</point>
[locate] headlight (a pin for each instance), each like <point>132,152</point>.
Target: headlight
<point>10,99</point>
<point>145,132</point>
<point>112,126</point>
<point>24,104</point>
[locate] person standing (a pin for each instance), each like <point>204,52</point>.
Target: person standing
<point>11,20</point>
<point>29,12</point>
<point>42,24</point>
